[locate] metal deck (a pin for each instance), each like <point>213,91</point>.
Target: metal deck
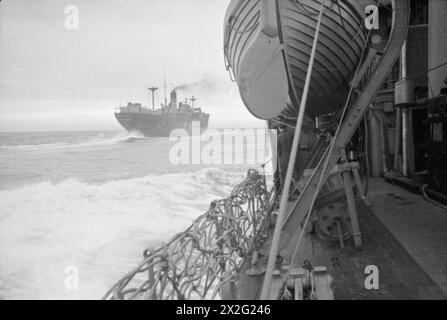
<point>403,235</point>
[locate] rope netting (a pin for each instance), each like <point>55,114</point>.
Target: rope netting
<point>195,263</point>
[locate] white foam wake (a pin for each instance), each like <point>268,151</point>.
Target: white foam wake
<point>101,229</point>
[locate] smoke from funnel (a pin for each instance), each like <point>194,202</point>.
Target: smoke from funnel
<point>207,83</point>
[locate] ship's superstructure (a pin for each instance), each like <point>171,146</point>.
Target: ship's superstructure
<point>160,122</point>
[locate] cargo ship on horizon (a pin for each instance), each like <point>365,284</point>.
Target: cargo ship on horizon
<point>160,122</point>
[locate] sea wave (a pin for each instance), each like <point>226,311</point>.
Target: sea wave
<point>96,141</point>
<point>100,229</point>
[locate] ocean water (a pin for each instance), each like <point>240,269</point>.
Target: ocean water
<point>93,201</point>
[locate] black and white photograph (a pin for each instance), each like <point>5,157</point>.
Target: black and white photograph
<point>246,151</point>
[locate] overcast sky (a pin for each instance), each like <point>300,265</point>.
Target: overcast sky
<point>52,78</point>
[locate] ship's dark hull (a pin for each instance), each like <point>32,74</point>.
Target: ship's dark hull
<point>159,125</point>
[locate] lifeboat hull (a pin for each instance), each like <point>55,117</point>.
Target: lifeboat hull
<point>267,48</point>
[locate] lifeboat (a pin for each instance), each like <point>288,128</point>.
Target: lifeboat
<point>267,46</point>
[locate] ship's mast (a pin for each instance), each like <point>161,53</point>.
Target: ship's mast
<point>164,86</point>
<point>153,89</point>
<point>192,100</point>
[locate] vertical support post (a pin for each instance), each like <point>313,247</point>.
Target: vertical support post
<point>347,180</point>
<point>375,145</point>
<point>397,139</point>
<point>403,61</point>
<point>405,142</point>
<point>410,143</point>
<point>358,182</point>
<point>153,102</point>
<point>153,89</point>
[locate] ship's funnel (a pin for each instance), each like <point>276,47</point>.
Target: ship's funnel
<point>173,98</point>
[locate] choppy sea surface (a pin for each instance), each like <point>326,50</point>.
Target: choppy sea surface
<point>93,200</point>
